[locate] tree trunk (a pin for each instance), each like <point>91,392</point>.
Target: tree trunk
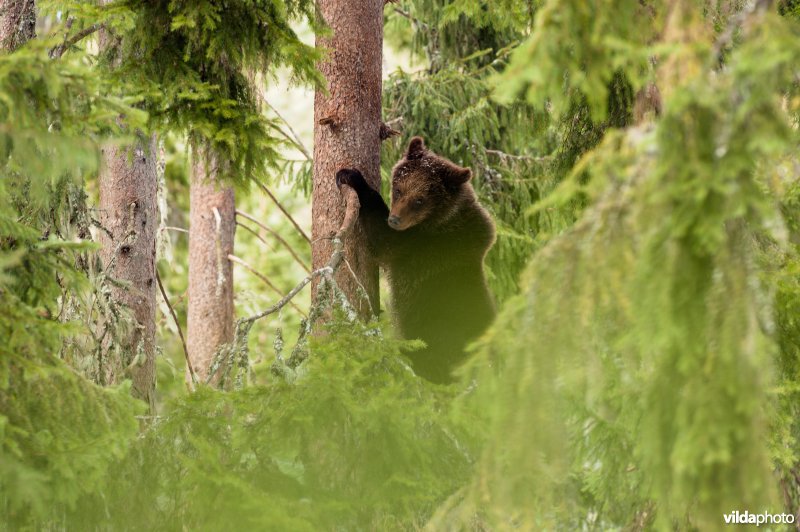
<point>17,23</point>
<point>128,185</point>
<point>347,134</point>
<point>212,225</point>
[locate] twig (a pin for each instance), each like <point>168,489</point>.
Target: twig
<point>180,332</point>
<point>264,278</point>
<point>360,286</point>
<point>172,228</point>
<point>508,156</point>
<point>277,236</point>
<point>59,50</point>
<point>283,210</point>
<point>350,217</point>
<point>255,234</point>
<point>414,20</point>
<point>294,138</point>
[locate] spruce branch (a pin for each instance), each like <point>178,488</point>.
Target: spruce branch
<point>57,51</point>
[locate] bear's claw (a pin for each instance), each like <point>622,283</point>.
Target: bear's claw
<point>350,177</point>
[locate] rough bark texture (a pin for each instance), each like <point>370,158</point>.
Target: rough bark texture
<point>347,125</point>
<point>17,23</point>
<point>128,207</point>
<point>211,234</point>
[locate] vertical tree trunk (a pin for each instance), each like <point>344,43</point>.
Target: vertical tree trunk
<point>128,183</point>
<point>17,23</point>
<point>212,227</point>
<point>347,134</point>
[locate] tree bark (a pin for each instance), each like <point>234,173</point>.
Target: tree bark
<point>128,185</point>
<point>17,23</point>
<point>212,225</point>
<point>347,124</point>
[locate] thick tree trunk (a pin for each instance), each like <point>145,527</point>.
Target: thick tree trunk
<point>128,185</point>
<point>212,227</point>
<point>347,134</point>
<point>17,23</point>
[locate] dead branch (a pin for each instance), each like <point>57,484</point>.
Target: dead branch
<point>414,20</point>
<point>172,228</point>
<point>352,207</point>
<point>283,210</point>
<point>255,234</point>
<point>220,271</point>
<point>262,277</point>
<point>294,138</point>
<point>277,236</point>
<point>192,374</point>
<point>387,132</point>
<point>508,156</point>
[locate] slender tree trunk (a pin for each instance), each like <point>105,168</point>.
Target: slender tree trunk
<point>347,124</point>
<point>17,23</point>
<point>212,227</point>
<point>128,185</point>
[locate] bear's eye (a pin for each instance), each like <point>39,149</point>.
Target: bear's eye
<point>418,202</point>
<point>396,192</point>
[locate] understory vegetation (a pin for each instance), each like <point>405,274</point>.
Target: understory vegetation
<point>640,160</point>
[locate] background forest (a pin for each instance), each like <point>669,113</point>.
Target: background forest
<point>639,158</point>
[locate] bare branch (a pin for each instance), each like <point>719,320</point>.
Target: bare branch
<point>277,237</point>
<point>414,20</point>
<point>255,234</point>
<point>283,210</point>
<point>294,138</point>
<point>508,156</point>
<point>192,374</point>
<point>173,228</point>
<point>262,277</point>
<point>350,216</point>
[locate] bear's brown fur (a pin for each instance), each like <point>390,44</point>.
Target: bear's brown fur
<point>431,243</point>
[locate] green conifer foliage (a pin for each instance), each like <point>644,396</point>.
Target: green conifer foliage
<point>355,442</point>
<point>58,432</point>
<point>632,384</point>
<point>195,63</point>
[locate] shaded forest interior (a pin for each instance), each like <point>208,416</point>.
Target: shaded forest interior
<point>196,332</point>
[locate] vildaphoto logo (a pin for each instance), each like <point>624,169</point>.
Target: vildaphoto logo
<point>764,518</point>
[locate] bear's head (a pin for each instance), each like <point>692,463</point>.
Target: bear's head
<point>425,187</point>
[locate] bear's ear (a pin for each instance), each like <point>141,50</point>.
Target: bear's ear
<point>416,148</point>
<point>455,175</point>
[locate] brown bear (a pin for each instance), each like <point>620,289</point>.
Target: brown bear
<point>431,243</point>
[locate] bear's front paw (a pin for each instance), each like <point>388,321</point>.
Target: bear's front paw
<point>348,176</point>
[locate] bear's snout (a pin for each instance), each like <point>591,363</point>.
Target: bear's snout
<point>394,221</point>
